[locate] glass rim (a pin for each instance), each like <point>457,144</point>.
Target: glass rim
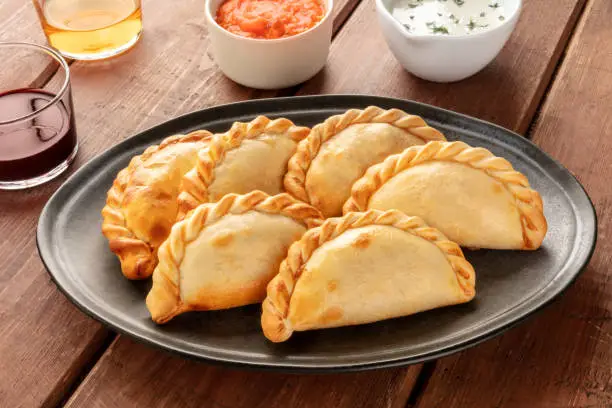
<point>56,56</point>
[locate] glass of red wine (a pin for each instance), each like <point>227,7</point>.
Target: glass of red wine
<point>37,133</point>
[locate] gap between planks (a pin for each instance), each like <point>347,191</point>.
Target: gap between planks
<point>48,74</point>
<point>412,390</point>
<point>560,56</point>
<point>108,339</point>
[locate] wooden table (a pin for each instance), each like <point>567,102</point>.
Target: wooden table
<point>552,83</point>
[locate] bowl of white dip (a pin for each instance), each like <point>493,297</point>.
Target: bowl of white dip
<point>446,40</point>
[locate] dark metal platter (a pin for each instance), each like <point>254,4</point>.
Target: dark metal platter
<point>510,285</point>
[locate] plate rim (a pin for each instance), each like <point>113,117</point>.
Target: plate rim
<point>522,311</point>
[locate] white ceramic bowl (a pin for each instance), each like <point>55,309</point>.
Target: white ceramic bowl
<point>445,58</point>
<point>270,64</point>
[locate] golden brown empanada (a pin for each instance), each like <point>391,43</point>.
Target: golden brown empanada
<point>475,198</point>
<point>362,268</point>
<point>250,156</point>
<point>338,151</point>
<point>141,205</point>
<point>223,254</point>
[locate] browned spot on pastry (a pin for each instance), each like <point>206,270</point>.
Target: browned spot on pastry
<point>362,242</point>
<point>497,188</point>
<point>247,231</point>
<point>526,241</point>
<point>298,273</point>
<point>282,288</point>
<point>457,251</point>
<point>222,296</point>
<point>222,239</point>
<point>130,195</point>
<point>296,236</point>
<point>163,195</point>
<point>331,315</point>
<point>143,268</point>
<point>332,285</point>
<point>159,233</point>
<point>269,140</point>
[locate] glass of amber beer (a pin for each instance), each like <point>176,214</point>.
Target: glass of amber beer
<point>90,29</point>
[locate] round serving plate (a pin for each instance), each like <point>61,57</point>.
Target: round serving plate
<point>511,285</point>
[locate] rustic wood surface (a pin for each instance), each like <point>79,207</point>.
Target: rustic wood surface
<point>506,92</point>
<point>22,68</point>
<point>381,75</point>
<point>46,344</point>
<point>50,346</point>
<point>561,357</point>
<point>19,22</point>
<point>153,378</point>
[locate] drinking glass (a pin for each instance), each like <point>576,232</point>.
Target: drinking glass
<point>90,29</point>
<point>37,133</point>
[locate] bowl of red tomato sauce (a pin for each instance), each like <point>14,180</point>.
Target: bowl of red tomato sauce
<point>270,44</point>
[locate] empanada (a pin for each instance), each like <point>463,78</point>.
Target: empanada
<point>141,205</point>
<point>473,197</point>
<point>362,268</point>
<point>223,254</point>
<point>338,151</point>
<point>250,156</point>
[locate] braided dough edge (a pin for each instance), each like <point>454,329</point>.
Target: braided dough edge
<point>274,320</point>
<point>136,256</point>
<point>195,182</point>
<point>308,149</point>
<point>164,301</point>
<point>529,201</point>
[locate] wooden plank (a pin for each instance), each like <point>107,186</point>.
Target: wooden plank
<point>375,72</point>
<point>20,22</point>
<point>506,92</point>
<point>101,387</point>
<point>22,69</point>
<point>133,375</point>
<point>562,357</point>
<point>44,341</point>
<point>46,344</point>
<point>164,76</point>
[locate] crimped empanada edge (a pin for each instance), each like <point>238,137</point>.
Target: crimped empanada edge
<point>163,301</point>
<point>274,320</point>
<point>137,257</point>
<point>529,201</point>
<point>308,149</point>
<point>196,182</point>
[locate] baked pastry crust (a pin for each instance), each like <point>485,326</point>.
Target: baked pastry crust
<point>141,204</point>
<point>338,151</point>
<point>250,156</point>
<point>499,211</point>
<point>223,254</point>
<point>309,294</point>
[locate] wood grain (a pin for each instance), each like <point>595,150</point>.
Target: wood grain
<point>22,68</point>
<point>46,344</point>
<point>563,356</point>
<point>507,92</point>
<point>167,74</point>
<point>44,340</point>
<point>20,22</point>
<point>133,375</point>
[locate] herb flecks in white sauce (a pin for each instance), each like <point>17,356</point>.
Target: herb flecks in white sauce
<point>448,17</point>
